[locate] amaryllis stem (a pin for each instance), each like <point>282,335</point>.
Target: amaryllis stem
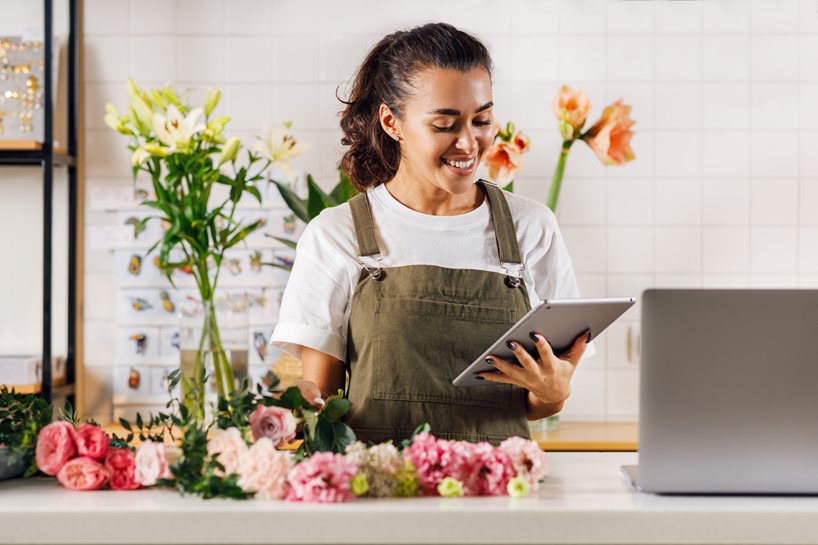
<point>556,181</point>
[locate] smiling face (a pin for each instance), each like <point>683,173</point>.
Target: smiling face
<point>445,128</point>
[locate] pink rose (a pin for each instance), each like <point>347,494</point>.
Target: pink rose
<point>275,423</point>
<point>263,470</point>
<point>503,160</point>
<point>324,477</point>
<point>92,441</point>
<point>83,473</point>
<point>55,446</point>
<point>150,463</point>
<point>490,471</point>
<point>227,446</point>
<point>528,458</point>
<point>571,108</point>
<point>610,137</point>
<point>121,466</point>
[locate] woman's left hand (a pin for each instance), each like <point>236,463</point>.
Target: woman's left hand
<point>548,378</point>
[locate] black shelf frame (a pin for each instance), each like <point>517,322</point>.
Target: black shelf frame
<point>47,159</point>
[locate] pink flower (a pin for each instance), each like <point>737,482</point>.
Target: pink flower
<point>92,441</point>
<point>324,477</point>
<point>571,108</point>
<point>150,463</point>
<point>275,423</point>
<point>121,466</point>
<point>528,459</point>
<point>56,445</point>
<point>521,141</point>
<point>503,160</point>
<point>227,446</point>
<point>83,473</point>
<point>490,471</point>
<point>435,459</point>
<point>610,137</point>
<point>263,470</point>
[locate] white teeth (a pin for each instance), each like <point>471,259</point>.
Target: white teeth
<point>459,164</point>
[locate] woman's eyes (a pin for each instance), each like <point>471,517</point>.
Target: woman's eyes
<point>477,122</point>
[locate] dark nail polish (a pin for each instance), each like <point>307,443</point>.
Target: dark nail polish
<point>534,337</point>
<point>511,345</point>
<point>490,361</point>
<point>588,338</point>
<point>478,377</point>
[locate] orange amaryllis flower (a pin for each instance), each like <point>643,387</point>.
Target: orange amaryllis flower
<point>571,108</point>
<point>503,160</point>
<point>521,141</point>
<point>610,136</point>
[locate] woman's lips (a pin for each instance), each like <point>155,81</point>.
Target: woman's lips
<point>460,167</point>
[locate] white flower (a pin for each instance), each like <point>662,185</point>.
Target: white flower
<point>176,130</point>
<point>139,156</point>
<point>277,144</point>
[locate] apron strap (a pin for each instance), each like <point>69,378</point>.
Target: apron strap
<point>507,246</point>
<point>364,227</point>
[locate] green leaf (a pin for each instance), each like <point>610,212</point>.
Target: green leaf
<point>125,424</point>
<point>324,436</point>
<point>317,200</point>
<point>344,191</point>
<point>296,203</point>
<point>285,241</point>
<point>310,423</point>
<point>293,400</point>
<point>242,234</point>
<point>509,187</point>
<point>344,436</point>
<point>335,408</point>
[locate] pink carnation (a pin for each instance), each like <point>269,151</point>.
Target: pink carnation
<point>528,458</point>
<point>92,441</point>
<point>435,459</point>
<point>325,477</point>
<point>121,466</point>
<point>83,473</point>
<point>489,472</point>
<point>263,470</point>
<point>151,463</point>
<point>274,423</point>
<point>56,444</point>
<point>229,446</point>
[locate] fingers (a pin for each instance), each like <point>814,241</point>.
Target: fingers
<point>578,348</point>
<point>311,392</point>
<point>504,366</point>
<point>543,347</point>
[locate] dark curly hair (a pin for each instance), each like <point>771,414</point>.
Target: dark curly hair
<point>385,77</point>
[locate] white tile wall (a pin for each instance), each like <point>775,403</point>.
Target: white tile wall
<point>724,190</point>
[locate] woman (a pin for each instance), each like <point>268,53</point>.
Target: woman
<point>409,282</point>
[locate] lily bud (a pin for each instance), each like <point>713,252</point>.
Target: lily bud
<point>171,96</point>
<point>158,99</point>
<point>157,150</point>
<point>140,155</point>
<point>211,100</point>
<point>230,150</point>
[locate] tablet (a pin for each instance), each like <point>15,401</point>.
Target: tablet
<point>561,321</point>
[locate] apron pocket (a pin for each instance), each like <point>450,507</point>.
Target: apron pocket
<point>421,345</point>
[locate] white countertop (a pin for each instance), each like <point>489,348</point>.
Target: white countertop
<point>584,500</point>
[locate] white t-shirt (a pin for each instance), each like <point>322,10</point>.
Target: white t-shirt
<point>316,303</point>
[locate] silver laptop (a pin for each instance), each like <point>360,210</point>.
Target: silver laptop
<point>729,392</point>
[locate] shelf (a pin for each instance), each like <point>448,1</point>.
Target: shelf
<point>590,436</point>
<point>21,145</point>
<point>9,156</point>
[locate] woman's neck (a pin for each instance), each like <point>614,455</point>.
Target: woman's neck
<point>426,198</point>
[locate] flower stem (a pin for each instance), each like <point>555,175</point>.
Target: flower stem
<point>556,181</point>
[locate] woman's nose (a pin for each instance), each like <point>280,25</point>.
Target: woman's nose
<point>467,140</point>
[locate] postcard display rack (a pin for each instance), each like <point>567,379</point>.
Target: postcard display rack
<point>149,308</point>
<point>27,89</point>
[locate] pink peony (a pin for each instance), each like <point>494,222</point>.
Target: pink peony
<point>151,463</point>
<point>227,446</point>
<point>489,471</point>
<point>263,470</point>
<point>83,473</point>
<point>121,466</point>
<point>325,477</point>
<point>92,441</point>
<point>274,423</point>
<point>528,458</point>
<point>56,445</point>
<point>435,459</point>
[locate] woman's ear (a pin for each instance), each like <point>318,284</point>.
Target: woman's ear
<point>389,122</point>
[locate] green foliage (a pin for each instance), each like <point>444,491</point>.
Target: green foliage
<point>22,416</point>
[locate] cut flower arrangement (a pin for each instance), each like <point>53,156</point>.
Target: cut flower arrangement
<point>248,450</point>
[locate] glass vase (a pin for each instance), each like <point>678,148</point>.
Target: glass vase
<point>214,348</point>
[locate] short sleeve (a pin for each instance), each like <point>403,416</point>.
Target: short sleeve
<point>315,302</point>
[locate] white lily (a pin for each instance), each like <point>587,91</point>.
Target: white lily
<point>139,156</point>
<point>176,130</point>
<point>278,144</point>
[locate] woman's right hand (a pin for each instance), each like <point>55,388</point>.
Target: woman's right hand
<point>312,393</point>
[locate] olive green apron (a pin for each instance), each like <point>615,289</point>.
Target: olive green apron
<point>413,329</point>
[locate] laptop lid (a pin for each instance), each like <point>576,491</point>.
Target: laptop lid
<point>729,391</point>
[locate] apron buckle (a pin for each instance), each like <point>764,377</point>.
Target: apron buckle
<point>513,281</point>
<point>376,273</point>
